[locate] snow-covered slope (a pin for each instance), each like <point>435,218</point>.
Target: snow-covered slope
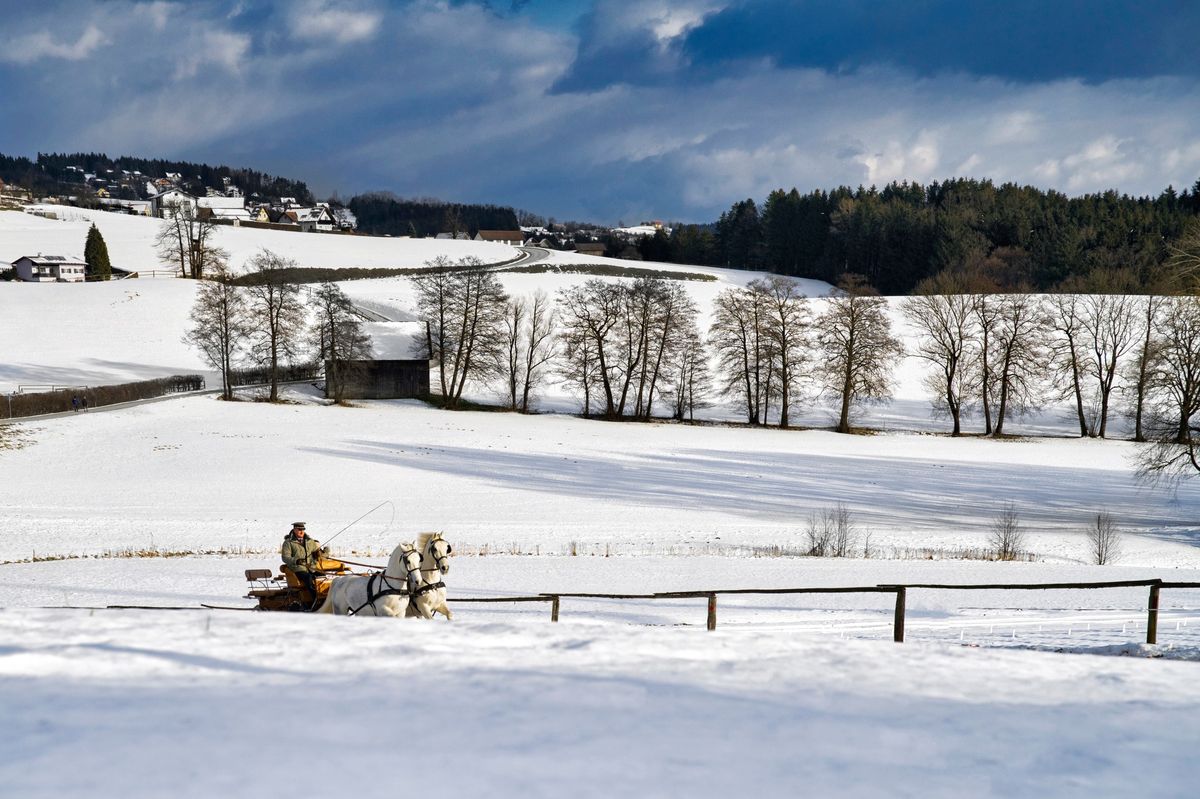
<point>130,241</point>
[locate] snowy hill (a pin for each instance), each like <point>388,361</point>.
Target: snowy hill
<point>130,241</point>
<point>166,505</point>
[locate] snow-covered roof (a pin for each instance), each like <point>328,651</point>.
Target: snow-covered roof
<point>51,260</point>
<point>216,201</point>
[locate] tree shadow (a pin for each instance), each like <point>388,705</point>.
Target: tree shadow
<point>909,493</point>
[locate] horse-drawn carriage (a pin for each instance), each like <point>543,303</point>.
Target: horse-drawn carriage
<point>410,585</point>
<point>286,592</point>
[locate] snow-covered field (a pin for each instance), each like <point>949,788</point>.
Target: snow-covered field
<point>996,693</point>
<point>130,241</point>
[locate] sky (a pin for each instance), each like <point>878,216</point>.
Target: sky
<point>616,110</point>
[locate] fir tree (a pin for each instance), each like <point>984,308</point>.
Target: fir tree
<point>95,254</point>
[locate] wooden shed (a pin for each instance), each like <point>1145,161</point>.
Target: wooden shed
<point>378,379</point>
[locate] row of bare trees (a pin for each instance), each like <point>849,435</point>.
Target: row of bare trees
<point>1005,354</point>
<point>773,350</point>
<point>626,346</point>
<point>265,321</point>
<point>631,349</point>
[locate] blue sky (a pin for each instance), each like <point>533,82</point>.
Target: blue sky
<point>616,109</point>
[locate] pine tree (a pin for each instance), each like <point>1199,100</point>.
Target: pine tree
<point>95,254</point>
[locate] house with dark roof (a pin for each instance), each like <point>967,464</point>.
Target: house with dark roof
<point>49,269</point>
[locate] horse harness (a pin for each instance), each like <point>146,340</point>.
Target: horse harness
<point>388,590</point>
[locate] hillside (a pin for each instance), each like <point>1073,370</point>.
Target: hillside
<point>165,505</point>
<point>130,242</point>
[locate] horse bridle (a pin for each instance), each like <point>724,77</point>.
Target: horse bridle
<point>442,562</point>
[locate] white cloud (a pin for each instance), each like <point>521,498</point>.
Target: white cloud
<point>327,21</point>
<point>408,112</point>
<point>41,45</point>
<point>218,48</point>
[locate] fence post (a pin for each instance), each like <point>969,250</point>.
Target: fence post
<point>712,612</point>
<point>554,608</point>
<point>898,624</point>
<point>1152,616</point>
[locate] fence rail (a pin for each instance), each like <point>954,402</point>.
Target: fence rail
<point>899,591</point>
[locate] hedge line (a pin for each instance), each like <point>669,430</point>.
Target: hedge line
<point>35,404</point>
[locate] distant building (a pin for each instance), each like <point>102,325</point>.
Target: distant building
<point>168,202</point>
<point>310,219</point>
<point>589,247</point>
<point>49,269</point>
<point>385,379</point>
<point>219,207</point>
<point>501,236</point>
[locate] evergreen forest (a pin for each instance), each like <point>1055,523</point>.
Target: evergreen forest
<point>1005,237</point>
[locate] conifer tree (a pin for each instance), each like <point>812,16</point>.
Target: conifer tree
<point>95,254</point>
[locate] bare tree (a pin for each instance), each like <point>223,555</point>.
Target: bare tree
<point>1006,536</point>
<point>514,343</point>
<point>186,242</point>
<point>857,348</point>
<point>219,324</point>
<point>1104,539</point>
<point>831,532</point>
<point>589,313</point>
<point>1109,327</point>
<point>945,318</point>
<point>338,337</point>
<point>580,366</point>
<point>464,307</point>
<point>692,379</point>
<point>787,322</point>
<point>1019,356</point>
<point>1067,353</point>
<point>1140,369</point>
<point>738,336</point>
<point>276,313</point>
<point>1184,261</point>
<point>529,328</point>
<point>986,308</point>
<point>1174,391</point>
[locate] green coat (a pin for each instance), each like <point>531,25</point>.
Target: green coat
<point>300,556</point>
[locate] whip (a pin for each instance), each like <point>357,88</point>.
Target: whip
<point>365,515</point>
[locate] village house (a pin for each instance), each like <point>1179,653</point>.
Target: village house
<point>501,236</point>
<point>589,247</point>
<point>310,219</point>
<point>49,269</point>
<point>217,207</point>
<point>169,202</point>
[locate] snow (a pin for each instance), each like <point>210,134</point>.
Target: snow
<point>994,693</point>
<point>144,704</point>
<point>130,241</point>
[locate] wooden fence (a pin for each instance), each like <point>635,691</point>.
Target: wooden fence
<point>899,591</point>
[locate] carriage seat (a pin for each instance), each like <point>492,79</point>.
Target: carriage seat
<point>260,576</point>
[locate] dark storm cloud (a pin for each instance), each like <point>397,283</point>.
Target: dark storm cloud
<point>611,109</point>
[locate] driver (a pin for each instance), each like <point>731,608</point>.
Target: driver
<point>302,555</point>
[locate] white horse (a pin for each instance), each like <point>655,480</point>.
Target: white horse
<point>385,593</point>
<point>430,597</point>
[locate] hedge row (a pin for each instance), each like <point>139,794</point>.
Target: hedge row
<point>262,374</point>
<point>35,404</point>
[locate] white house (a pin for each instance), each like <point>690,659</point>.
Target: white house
<point>316,218</point>
<point>49,269</point>
<point>501,236</point>
<point>218,207</point>
<point>169,201</point>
